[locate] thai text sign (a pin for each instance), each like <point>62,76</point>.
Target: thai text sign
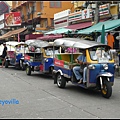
<point>13,19</point>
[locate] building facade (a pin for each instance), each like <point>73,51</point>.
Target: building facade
<point>84,14</point>
<point>39,15</point>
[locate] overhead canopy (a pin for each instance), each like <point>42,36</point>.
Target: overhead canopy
<point>49,37</point>
<point>79,26</point>
<point>109,25</point>
<point>13,32</point>
<point>59,31</point>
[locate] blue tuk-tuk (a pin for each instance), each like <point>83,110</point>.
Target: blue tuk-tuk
<point>39,57</point>
<point>14,53</point>
<point>100,65</point>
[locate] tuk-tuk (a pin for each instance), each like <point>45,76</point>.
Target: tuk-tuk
<point>14,53</point>
<point>100,67</point>
<point>39,57</point>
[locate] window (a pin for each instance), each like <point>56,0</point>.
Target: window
<point>16,2</point>
<point>55,4</point>
<point>41,5</point>
<point>27,8</point>
<point>52,22</point>
<point>34,4</point>
<point>46,23</point>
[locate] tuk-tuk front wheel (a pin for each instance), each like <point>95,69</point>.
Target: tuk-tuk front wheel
<point>28,70</point>
<point>107,88</point>
<point>61,82</point>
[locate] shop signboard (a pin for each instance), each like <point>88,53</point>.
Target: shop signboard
<point>87,13</point>
<point>75,16</point>
<point>104,9</point>
<point>80,15</point>
<point>61,19</point>
<point>13,19</point>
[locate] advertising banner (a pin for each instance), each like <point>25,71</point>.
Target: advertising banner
<point>13,19</point>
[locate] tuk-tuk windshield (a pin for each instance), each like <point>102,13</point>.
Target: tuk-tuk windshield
<point>50,51</point>
<point>100,52</point>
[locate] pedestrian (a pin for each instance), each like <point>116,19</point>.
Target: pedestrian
<point>71,50</point>
<point>110,39</point>
<point>4,54</point>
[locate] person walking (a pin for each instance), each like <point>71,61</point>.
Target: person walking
<point>4,54</point>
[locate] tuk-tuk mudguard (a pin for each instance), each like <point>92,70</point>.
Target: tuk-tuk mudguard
<point>105,74</point>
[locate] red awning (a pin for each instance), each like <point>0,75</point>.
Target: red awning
<point>80,25</point>
<point>49,37</point>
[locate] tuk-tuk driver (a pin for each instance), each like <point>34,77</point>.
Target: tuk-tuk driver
<point>76,69</point>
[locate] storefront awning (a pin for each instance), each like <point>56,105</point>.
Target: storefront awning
<point>109,25</point>
<point>59,31</point>
<point>5,35</point>
<point>79,26</point>
<point>13,32</point>
<point>49,37</point>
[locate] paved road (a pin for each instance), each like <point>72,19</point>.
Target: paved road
<point>36,96</point>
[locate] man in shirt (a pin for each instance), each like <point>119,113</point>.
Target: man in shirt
<point>76,69</point>
<point>110,40</point>
<point>4,54</point>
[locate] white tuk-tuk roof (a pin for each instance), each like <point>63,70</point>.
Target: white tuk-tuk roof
<point>76,42</point>
<point>37,43</point>
<point>14,43</point>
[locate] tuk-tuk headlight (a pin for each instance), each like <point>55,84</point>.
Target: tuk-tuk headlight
<point>91,66</point>
<point>46,60</point>
<point>105,66</point>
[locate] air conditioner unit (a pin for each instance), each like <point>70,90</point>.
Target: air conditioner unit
<point>38,26</point>
<point>39,13</point>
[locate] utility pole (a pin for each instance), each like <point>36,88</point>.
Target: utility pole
<point>96,17</point>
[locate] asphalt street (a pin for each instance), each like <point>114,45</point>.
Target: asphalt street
<point>36,96</point>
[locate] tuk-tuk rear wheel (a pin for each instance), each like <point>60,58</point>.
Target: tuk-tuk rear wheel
<point>61,82</point>
<point>107,88</point>
<point>28,70</point>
